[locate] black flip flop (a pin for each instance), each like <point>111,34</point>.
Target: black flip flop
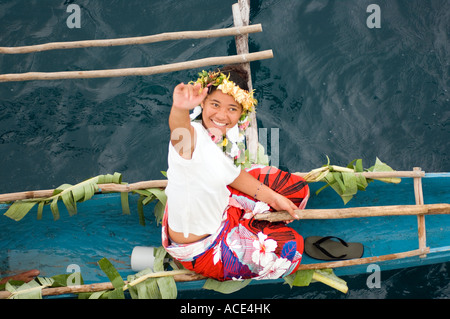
<point>324,248</point>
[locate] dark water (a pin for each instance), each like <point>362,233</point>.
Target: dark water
<point>335,87</point>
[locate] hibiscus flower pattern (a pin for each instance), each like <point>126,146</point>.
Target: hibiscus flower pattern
<point>264,248</point>
<point>243,247</point>
<point>260,254</point>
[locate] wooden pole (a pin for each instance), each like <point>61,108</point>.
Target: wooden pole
<point>418,194</point>
<point>168,36</point>
<point>192,276</point>
<point>241,18</point>
<point>374,175</point>
<point>234,59</point>
<point>103,187</point>
<point>132,187</point>
<point>179,276</point>
<point>353,212</point>
<point>163,183</point>
<point>362,261</point>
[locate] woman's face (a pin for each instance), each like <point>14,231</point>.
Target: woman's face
<point>220,111</point>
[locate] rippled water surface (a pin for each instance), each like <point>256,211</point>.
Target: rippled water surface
<point>334,87</point>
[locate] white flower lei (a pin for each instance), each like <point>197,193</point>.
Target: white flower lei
<point>233,142</point>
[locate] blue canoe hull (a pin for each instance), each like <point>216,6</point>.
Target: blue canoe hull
<point>101,230</point>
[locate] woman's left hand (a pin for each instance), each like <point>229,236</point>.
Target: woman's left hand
<point>247,184</point>
<point>280,202</point>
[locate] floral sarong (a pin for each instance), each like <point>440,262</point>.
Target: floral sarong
<point>243,247</point>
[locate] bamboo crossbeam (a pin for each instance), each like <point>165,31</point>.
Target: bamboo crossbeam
<point>103,187</point>
<point>375,175</point>
<point>353,212</point>
<point>362,261</point>
<point>168,36</point>
<point>134,186</point>
<point>10,197</point>
<point>234,59</point>
<point>192,276</point>
<point>179,276</point>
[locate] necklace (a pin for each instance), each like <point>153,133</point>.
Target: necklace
<point>233,142</point>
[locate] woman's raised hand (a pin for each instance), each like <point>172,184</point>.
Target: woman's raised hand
<point>188,96</point>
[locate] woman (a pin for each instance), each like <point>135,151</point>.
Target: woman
<point>208,224</point>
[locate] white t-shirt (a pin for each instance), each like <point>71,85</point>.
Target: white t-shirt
<point>197,193</point>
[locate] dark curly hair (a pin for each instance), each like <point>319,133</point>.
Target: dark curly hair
<point>237,74</point>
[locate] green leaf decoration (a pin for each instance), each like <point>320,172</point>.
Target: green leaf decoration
<point>147,196</point>
<point>261,156</point>
<point>45,281</point>
<point>19,209</point>
<point>111,272</point>
<point>114,277</point>
<point>95,295</point>
<point>65,280</point>
<point>382,167</point>
<point>69,201</point>
<point>159,212</point>
<point>151,288</point>
<point>147,289</point>
<point>161,286</point>
<point>125,203</point>
<point>29,290</point>
<point>160,255</point>
<point>140,209</point>
<point>54,208</point>
<point>300,278</point>
<point>345,180</point>
<point>40,210</point>
<point>69,194</point>
<point>303,278</point>
<point>327,277</point>
<point>167,285</point>
<point>225,287</point>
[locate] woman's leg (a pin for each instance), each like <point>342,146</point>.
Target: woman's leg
<point>248,248</point>
<point>268,250</point>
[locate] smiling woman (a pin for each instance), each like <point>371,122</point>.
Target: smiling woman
<point>336,87</point>
<point>208,223</point>
<point>220,111</point>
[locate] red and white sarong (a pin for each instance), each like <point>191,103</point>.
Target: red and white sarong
<point>243,247</point>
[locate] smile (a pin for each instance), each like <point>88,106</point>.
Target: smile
<point>218,124</point>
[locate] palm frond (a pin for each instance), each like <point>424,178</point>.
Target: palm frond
<point>69,194</point>
<point>345,180</point>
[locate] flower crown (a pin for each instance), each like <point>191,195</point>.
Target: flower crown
<point>222,82</point>
<point>233,142</point>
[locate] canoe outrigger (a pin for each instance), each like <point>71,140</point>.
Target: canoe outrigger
<point>385,219</point>
<point>400,225</point>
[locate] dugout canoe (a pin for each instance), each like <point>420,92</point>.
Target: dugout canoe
<point>416,237</point>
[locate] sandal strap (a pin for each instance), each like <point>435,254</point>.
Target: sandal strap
<point>324,251</point>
